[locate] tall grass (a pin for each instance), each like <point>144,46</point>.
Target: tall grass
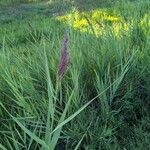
<point>101,100</point>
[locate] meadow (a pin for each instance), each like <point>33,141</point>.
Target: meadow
<point>74,75</point>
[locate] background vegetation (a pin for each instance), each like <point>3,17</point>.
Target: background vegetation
<point>102,101</point>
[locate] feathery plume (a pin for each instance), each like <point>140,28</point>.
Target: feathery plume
<point>64,59</point>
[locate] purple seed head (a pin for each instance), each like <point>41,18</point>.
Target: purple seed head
<point>64,59</point>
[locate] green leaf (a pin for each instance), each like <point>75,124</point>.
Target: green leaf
<point>2,147</point>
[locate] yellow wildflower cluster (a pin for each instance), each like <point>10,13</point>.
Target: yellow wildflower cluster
<point>93,21</point>
<point>80,23</point>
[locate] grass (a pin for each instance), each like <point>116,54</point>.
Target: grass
<point>102,100</point>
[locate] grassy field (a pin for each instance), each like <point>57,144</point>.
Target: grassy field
<point>75,75</point>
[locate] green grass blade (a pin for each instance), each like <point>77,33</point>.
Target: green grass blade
<point>28,132</point>
<point>32,135</point>
<point>79,143</point>
<point>56,134</point>
<point>2,147</point>
<point>50,112</point>
<point>79,111</point>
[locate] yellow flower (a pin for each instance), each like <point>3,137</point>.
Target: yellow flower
<point>95,23</point>
<point>80,23</point>
<point>98,14</point>
<point>112,18</point>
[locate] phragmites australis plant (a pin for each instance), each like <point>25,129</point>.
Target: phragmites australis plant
<point>64,59</point>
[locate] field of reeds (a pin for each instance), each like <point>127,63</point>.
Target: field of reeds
<point>75,75</point>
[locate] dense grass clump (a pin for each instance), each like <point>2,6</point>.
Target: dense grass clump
<point>77,78</point>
